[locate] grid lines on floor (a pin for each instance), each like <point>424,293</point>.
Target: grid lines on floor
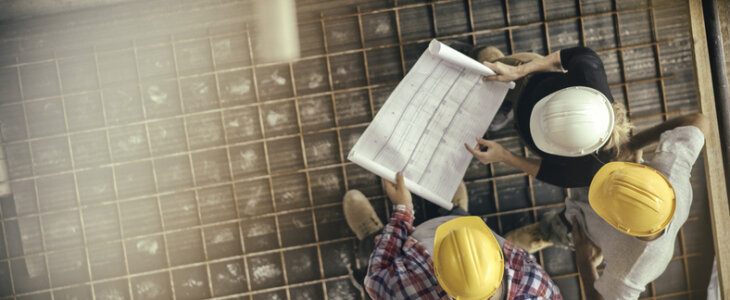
<point>173,165</point>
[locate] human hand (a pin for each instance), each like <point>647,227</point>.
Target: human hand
<point>505,73</point>
<point>494,153</point>
<point>398,193</point>
<point>638,156</point>
<point>585,250</point>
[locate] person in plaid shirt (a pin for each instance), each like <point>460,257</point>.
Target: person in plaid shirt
<point>464,250</point>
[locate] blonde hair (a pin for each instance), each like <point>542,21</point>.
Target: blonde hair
<point>621,129</point>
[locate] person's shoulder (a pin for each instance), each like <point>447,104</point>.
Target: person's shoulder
<point>686,131</point>
<point>517,259</point>
<point>682,139</point>
<point>527,279</point>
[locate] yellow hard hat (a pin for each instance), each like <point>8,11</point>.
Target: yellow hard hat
<point>633,198</point>
<point>467,259</point>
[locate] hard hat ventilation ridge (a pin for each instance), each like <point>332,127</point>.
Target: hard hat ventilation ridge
<point>642,196</point>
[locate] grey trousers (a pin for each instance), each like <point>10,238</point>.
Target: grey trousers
<point>555,227</point>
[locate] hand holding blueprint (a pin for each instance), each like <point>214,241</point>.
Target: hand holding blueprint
<point>421,129</point>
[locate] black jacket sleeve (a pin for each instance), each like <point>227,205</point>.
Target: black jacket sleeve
<point>585,68</point>
<point>568,171</point>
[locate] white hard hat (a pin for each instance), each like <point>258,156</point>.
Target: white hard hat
<point>573,121</point>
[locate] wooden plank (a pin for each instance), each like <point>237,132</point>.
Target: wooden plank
<point>716,189</point>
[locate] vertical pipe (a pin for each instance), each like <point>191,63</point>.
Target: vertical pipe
<point>721,91</point>
<point>720,81</point>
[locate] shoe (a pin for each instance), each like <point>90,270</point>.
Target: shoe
<point>360,215</point>
<point>461,198</point>
<point>528,238</point>
<point>489,53</point>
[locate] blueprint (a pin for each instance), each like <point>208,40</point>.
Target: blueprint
<point>421,129</point>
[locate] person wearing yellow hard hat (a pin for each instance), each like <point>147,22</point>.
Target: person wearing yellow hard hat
<point>631,213</point>
<point>450,257</point>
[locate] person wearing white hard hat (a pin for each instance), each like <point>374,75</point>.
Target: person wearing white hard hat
<point>563,111</point>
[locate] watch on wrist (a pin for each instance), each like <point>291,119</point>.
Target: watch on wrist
<point>402,207</point>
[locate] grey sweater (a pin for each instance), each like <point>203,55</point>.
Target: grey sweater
<point>632,263</point>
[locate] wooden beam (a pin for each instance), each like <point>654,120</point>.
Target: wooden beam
<point>715,174</point>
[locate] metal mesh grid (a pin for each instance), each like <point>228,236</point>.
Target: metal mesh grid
<point>197,172</point>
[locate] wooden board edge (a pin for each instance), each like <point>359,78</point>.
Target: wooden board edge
<point>714,170</point>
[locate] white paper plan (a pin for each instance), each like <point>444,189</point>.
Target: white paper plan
<point>421,129</point>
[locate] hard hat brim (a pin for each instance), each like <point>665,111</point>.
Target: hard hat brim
<point>539,134</point>
<point>472,222</point>
<point>598,184</point>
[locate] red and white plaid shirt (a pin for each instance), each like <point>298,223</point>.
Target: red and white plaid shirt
<point>401,268</point>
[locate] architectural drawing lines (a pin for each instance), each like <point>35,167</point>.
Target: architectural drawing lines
<point>424,121</point>
<point>451,122</point>
<point>430,119</point>
<point>430,73</point>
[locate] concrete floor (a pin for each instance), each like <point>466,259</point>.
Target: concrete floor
<point>151,157</point>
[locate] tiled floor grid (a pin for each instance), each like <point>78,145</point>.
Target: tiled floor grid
<point>152,157</point>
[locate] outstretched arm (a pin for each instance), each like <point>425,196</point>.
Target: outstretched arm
<point>388,247</point>
<point>588,257</point>
<point>507,73</point>
<point>496,153</point>
<point>651,135</point>
<point>399,268</point>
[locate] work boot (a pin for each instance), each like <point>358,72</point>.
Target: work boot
<point>489,53</point>
<point>360,215</point>
<point>461,198</point>
<point>528,238</point>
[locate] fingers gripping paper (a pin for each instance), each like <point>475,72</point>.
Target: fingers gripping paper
<point>441,104</point>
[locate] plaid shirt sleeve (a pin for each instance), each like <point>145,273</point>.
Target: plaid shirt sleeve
<point>527,280</point>
<point>400,267</point>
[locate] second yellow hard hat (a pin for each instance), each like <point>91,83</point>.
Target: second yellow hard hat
<point>633,198</point>
<point>467,259</point>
